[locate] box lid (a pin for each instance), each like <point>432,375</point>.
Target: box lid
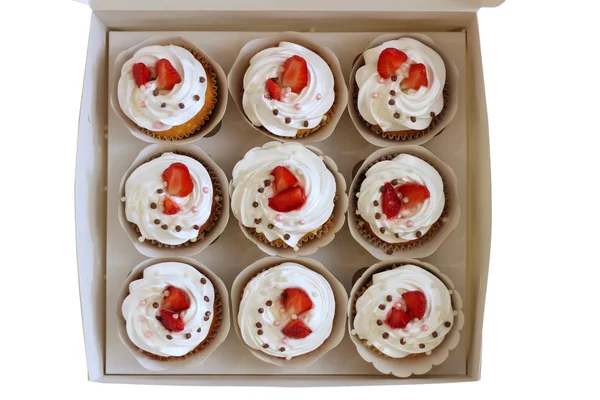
<point>305,5</point>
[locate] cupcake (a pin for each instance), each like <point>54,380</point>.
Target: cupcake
<point>288,197</point>
<point>401,202</point>
<point>287,312</point>
<point>174,199</point>
<point>402,311</point>
<point>289,88</point>
<point>168,92</point>
<point>173,311</point>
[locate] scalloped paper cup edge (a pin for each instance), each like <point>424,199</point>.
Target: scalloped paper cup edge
<point>452,79</point>
<point>339,216</point>
<point>338,329</point>
<point>150,250</point>
<point>405,367</point>
<point>195,359</point>
<point>450,184</point>
<point>222,91</point>
<point>236,78</point>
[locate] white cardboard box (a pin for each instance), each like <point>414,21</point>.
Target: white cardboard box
<point>235,16</point>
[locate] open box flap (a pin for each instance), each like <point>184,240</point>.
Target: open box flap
<point>305,5</point>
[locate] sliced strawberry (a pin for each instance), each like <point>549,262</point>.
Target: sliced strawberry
<point>391,204</point>
<point>284,179</point>
<point>417,77</point>
<point>289,200</point>
<point>177,300</point>
<point>169,206</point>
<point>296,329</point>
<point>389,61</point>
<point>168,320</point>
<point>167,75</point>
<point>296,301</point>
<point>179,180</point>
<point>295,74</point>
<point>141,74</point>
<point>397,319</point>
<point>274,89</point>
<point>416,303</point>
<point>415,194</point>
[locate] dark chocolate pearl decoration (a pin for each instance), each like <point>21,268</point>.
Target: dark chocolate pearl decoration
<point>382,306</point>
<point>261,310</point>
<point>377,215</point>
<point>258,325</point>
<point>202,79</point>
<point>385,335</point>
<point>196,97</point>
<point>447,324</point>
<point>259,332</point>
<point>155,305</point>
<point>257,221</point>
<point>396,115</point>
<point>413,119</point>
<point>382,229</point>
<point>188,335</point>
<point>153,206</point>
<point>421,346</point>
<point>164,226</point>
<point>379,322</point>
<point>169,337</point>
<point>389,297</point>
<point>265,346</point>
<point>157,221</point>
<point>203,281</point>
<point>269,303</point>
<point>206,299</point>
<point>434,334</point>
<point>286,237</point>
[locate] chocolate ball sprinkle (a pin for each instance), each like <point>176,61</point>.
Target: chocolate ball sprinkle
<point>261,310</point>
<point>392,92</point>
<point>389,297</point>
<point>169,337</point>
<point>267,182</point>
<point>164,226</point>
<point>202,79</point>
<point>382,229</point>
<point>199,330</point>
<point>155,305</point>
<point>419,234</point>
<point>258,325</point>
<point>382,189</point>
<point>447,324</point>
<point>396,115</point>
<point>203,281</point>
<point>159,191</point>
<point>270,226</point>
<point>275,112</point>
<point>269,303</point>
<point>391,102</point>
<point>181,105</point>
<point>286,237</point>
<point>206,317</point>
<point>382,307</point>
<point>375,203</point>
<point>257,221</point>
<point>379,322</point>
<point>196,97</point>
<point>153,206</point>
<point>255,204</point>
<point>402,341</point>
<point>206,299</point>
<point>305,124</point>
<point>207,313</point>
<point>421,346</point>
<point>394,78</point>
<point>413,119</point>
<point>157,221</point>
<point>155,92</point>
<point>261,190</point>
<point>163,105</point>
<point>434,334</point>
<point>397,235</point>
<point>394,182</point>
<point>432,114</point>
<point>196,227</point>
<point>259,332</point>
<point>178,228</point>
<point>385,335</point>
<point>282,349</point>
<point>288,120</point>
<point>188,335</point>
<point>265,346</point>
<point>377,215</point>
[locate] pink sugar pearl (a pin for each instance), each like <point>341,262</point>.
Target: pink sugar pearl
<point>301,222</point>
<point>147,334</point>
<point>410,224</point>
<point>276,323</point>
<point>297,106</point>
<point>284,340</point>
<point>142,104</point>
<point>282,310</point>
<point>374,95</point>
<point>424,327</point>
<point>205,189</point>
<point>380,80</point>
<point>285,95</point>
<point>318,96</point>
<point>404,329</point>
<point>148,85</point>
<point>194,209</point>
<point>279,217</point>
<point>143,303</point>
<point>158,124</point>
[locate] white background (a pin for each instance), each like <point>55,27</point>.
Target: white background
<point>541,332</point>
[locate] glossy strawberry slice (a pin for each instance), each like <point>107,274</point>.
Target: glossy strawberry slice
<point>177,300</point>
<point>167,75</point>
<point>391,204</point>
<point>415,193</point>
<point>296,301</point>
<point>397,319</point>
<point>274,89</point>
<point>284,179</point>
<point>296,329</point>
<point>141,74</point>
<point>389,61</point>
<point>417,77</point>
<point>416,303</point>
<point>169,206</point>
<point>289,200</point>
<point>179,181</point>
<point>168,320</point>
<point>295,74</point>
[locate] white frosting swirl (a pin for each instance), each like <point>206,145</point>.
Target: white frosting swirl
<point>395,282</point>
<point>310,105</point>
<point>144,108</point>
<point>376,110</point>
<point>405,168</point>
<point>146,331</point>
<point>269,285</point>
<point>141,191</point>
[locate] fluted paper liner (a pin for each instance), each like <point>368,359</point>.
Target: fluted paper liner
<point>219,329</point>
<point>208,233</point>
<point>339,321</point>
<point>211,119</point>
<point>428,243</point>
<point>405,367</point>
<point>313,241</point>
<point>236,84</point>
<point>437,124</point>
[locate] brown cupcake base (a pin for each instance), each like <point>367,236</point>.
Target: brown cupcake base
<point>282,245</point>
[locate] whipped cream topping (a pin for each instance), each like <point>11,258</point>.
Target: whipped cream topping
<point>404,168</point>
<point>141,307</point>
<point>140,103</point>
<point>145,192</point>
<point>268,286</point>
<point>251,205</point>
<point>304,110</point>
<point>419,336</point>
<point>413,108</point>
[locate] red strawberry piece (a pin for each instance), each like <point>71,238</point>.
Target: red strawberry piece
<point>179,181</point>
<point>389,61</point>
<point>284,179</point>
<point>167,75</point>
<point>274,89</point>
<point>397,319</point>
<point>177,300</point>
<point>415,194</point>
<point>391,204</point>
<point>295,74</point>
<point>417,77</point>
<point>169,206</point>
<point>296,329</point>
<point>296,301</point>
<point>416,303</point>
<point>168,320</point>
<point>289,200</point>
<point>141,74</point>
